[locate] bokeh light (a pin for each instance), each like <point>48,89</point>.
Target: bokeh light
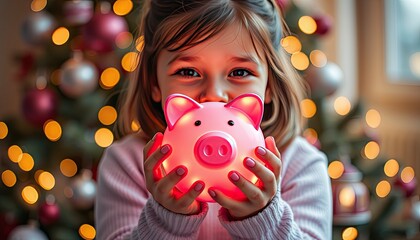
<point>347,196</point>
<point>60,36</point>
<point>349,233</point>
<point>107,115</point>
<point>307,24</point>
<point>135,126</point>
<point>318,58</point>
<point>140,43</point>
<point>300,61</point>
<point>335,169</point>
<point>291,44</point>
<point>104,137</point>
<point>87,231</point>
<point>310,135</point>
<point>68,167</point>
<point>391,167</point>
<point>308,108</point>
<point>124,40</point>
<point>109,78</point>
<point>26,163</point>
<point>46,180</point>
<point>371,150</point>
<point>15,153</point>
<point>130,61</point>
<point>4,130</point>
<point>373,118</point>
<point>30,195</point>
<point>52,130</point>
<point>122,7</point>
<point>342,106</point>
<point>407,174</point>
<point>38,5</point>
<point>383,188</point>
<point>9,178</point>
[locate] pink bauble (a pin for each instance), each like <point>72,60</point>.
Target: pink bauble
<point>77,12</point>
<point>211,139</point>
<point>100,32</point>
<point>48,213</point>
<point>40,105</point>
<point>408,188</point>
<point>323,24</point>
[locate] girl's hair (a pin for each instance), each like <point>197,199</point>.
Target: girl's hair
<point>179,24</point>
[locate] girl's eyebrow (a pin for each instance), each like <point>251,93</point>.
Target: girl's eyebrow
<point>246,58</point>
<point>185,58</point>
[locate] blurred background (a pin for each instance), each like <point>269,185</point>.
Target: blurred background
<point>63,64</point>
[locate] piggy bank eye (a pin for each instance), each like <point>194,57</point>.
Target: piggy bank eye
<point>197,123</point>
<point>231,122</point>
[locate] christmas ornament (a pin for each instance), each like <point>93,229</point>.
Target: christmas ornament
<point>409,188</point>
<point>325,80</point>
<point>323,24</point>
<point>48,212</point>
<point>217,146</point>
<point>415,209</point>
<point>39,105</point>
<point>77,12</point>
<point>82,190</point>
<point>29,231</point>
<point>38,27</point>
<point>100,32</point>
<point>8,222</point>
<point>350,198</point>
<point>283,4</point>
<point>78,77</point>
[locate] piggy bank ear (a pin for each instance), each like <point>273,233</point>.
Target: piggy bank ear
<point>251,105</point>
<point>176,106</point>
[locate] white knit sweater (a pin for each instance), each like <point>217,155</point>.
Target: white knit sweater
<point>124,208</point>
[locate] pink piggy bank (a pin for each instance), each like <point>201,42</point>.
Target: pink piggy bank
<point>211,139</point>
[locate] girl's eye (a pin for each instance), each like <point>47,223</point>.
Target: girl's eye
<point>239,73</point>
<point>187,72</point>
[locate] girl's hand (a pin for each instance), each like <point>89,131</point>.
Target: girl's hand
<point>163,188</point>
<point>258,196</point>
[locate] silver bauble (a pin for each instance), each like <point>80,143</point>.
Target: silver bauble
<point>325,80</point>
<point>25,232</point>
<point>78,77</point>
<point>83,191</point>
<point>37,28</point>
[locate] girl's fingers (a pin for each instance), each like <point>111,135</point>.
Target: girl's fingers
<point>271,156</point>
<point>223,200</point>
<point>190,196</point>
<point>165,185</point>
<point>265,175</point>
<point>152,164</point>
<point>251,191</point>
<point>152,145</point>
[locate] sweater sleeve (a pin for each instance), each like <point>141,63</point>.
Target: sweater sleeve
<point>124,208</point>
<point>302,207</point>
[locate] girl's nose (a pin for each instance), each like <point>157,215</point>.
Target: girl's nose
<point>214,91</point>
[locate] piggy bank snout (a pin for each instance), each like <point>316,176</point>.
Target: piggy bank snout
<point>215,149</point>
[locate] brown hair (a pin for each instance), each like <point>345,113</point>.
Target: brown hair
<point>177,25</point>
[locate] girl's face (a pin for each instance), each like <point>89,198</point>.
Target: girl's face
<point>217,70</point>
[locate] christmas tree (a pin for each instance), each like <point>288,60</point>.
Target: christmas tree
<point>81,53</point>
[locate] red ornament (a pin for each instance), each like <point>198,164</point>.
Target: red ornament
<point>100,32</point>
<point>48,213</point>
<point>40,105</point>
<point>323,24</point>
<point>283,4</point>
<point>408,188</point>
<point>8,222</point>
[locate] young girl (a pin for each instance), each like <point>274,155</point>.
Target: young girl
<point>213,50</point>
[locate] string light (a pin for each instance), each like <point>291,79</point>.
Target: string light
<point>349,233</point>
<point>87,231</point>
<point>307,24</point>
<point>407,174</point>
<point>308,108</point>
<point>373,118</point>
<point>391,168</point>
<point>52,130</point>
<point>109,78</point>
<point>60,36</point>
<point>15,153</point>
<point>342,106</point>
<point>30,195</point>
<point>372,150</point>
<point>130,61</point>
<point>310,135</point>
<point>291,44</point>
<point>383,188</point>
<point>38,5</point>
<point>3,130</point>
<point>9,178</point>
<point>122,7</point>
<point>140,43</point>
<point>347,196</point>
<point>318,58</point>
<point>68,167</point>
<point>46,180</point>
<point>135,126</point>
<point>104,137</point>
<point>335,169</point>
<point>300,61</point>
<point>107,115</point>
<point>26,163</point>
